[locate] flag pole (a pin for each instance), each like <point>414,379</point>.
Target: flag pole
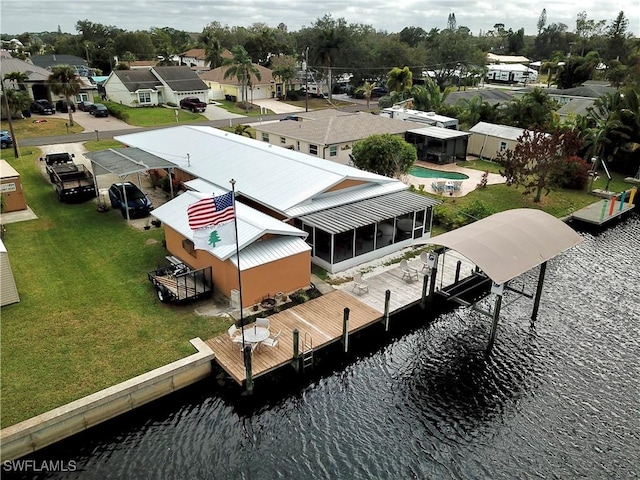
<point>233,196</point>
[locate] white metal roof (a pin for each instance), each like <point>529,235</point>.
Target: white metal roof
<point>268,174</point>
<point>268,251</point>
<point>346,217</point>
<point>252,224</point>
<point>499,131</point>
<point>440,133</point>
<point>509,243</point>
<point>124,161</point>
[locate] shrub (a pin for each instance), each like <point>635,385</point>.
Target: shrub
<point>572,174</point>
<point>118,111</point>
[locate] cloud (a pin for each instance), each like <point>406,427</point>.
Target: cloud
<point>193,15</point>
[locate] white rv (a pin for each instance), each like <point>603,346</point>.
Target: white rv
<point>429,118</point>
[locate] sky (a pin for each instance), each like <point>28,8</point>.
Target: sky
<point>19,16</point>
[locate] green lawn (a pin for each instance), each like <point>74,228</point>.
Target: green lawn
<point>88,316</point>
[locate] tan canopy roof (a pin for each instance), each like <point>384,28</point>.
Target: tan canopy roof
<point>509,243</point>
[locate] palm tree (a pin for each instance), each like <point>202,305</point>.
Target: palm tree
<point>241,67</point>
<point>332,35</point>
<point>212,49</point>
<point>63,81</point>
<point>367,89</point>
<point>18,78</point>
<point>284,68</point>
<point>399,79</point>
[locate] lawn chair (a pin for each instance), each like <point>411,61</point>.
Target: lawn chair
<point>272,341</point>
<point>424,258</point>
<point>359,285</point>
<point>232,334</point>
<point>457,185</point>
<point>408,273</point>
<point>262,322</point>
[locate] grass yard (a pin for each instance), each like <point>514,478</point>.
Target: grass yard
<point>153,116</point>
<point>31,127</point>
<point>88,317</point>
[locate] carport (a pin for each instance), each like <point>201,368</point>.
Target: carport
<point>504,246</point>
<point>126,161</point>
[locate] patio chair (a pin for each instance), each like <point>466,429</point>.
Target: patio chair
<point>359,285</point>
<point>457,185</point>
<point>262,322</point>
<point>424,258</point>
<point>232,333</point>
<point>408,273</point>
<point>441,185</point>
<point>272,341</point>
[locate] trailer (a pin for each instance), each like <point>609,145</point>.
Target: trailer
<point>73,183</point>
<point>179,283</point>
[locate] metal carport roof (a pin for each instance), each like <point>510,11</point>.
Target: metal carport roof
<point>358,214</point>
<point>510,243</point>
<point>124,161</point>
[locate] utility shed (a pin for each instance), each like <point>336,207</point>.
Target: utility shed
<point>11,188</point>
<point>8,289</point>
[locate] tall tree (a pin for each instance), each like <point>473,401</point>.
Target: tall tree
<point>64,81</point>
<point>284,68</point>
<point>542,20</point>
<point>384,154</point>
<point>536,158</point>
<point>617,37</point>
<point>587,29</point>
<point>331,36</point>
<point>212,48</point>
<point>241,67</point>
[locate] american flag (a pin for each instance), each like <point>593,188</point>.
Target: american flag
<point>211,211</point>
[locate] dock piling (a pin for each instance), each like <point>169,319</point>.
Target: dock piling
<point>536,300</point>
<point>345,329</point>
<point>246,351</point>
<point>296,350</point>
<point>458,267</point>
<point>494,325</point>
<point>387,299</point>
<point>423,298</point>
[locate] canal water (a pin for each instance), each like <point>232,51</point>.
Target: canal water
<point>559,400</point>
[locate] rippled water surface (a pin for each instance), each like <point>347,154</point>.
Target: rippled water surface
<point>558,400</point>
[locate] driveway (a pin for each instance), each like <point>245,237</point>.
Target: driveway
<point>89,122</point>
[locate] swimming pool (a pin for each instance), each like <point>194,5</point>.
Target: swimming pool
<point>424,172</point>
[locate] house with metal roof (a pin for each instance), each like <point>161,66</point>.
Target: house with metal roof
<point>488,139</point>
<point>345,215</point>
<point>154,86</point>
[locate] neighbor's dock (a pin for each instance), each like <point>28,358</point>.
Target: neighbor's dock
<point>605,210</point>
<point>321,321</point>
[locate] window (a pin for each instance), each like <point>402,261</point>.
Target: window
<point>188,246</point>
<point>144,97</point>
<point>298,145</point>
<point>333,151</point>
<point>313,149</point>
<point>283,140</point>
<point>265,137</point>
<point>503,146</point>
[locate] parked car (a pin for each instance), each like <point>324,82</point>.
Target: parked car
<point>290,117</point>
<point>138,203</point>
<point>84,105</point>
<point>63,106</point>
<point>98,110</point>
<point>43,107</point>
<point>5,139</point>
<point>378,92</point>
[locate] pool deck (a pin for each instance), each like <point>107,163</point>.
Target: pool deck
<point>475,176</point>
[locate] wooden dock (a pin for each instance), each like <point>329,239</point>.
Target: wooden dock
<point>600,213</point>
<point>320,321</point>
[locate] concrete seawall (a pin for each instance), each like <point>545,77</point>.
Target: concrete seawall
<point>62,422</point>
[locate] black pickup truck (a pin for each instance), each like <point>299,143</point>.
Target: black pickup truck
<point>194,104</point>
<point>72,182</point>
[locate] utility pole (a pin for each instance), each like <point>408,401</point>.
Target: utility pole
<point>306,80</point>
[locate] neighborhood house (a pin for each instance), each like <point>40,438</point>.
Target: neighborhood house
<point>292,209</point>
<point>154,86</point>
